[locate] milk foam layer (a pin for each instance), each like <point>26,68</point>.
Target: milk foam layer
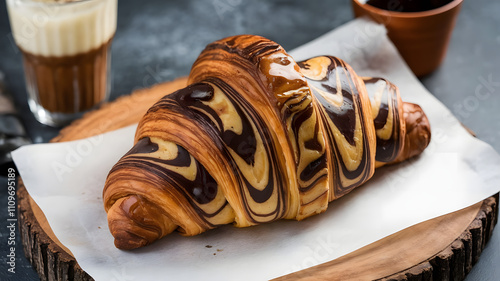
<point>61,28</point>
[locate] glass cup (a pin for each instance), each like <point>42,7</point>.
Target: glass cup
<point>66,54</point>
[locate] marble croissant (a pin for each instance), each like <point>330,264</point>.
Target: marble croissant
<point>256,137</point>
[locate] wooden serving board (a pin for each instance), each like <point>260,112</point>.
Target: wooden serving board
<point>444,248</point>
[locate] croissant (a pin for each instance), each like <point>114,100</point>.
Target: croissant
<point>254,138</point>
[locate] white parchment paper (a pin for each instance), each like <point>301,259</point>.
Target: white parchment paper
<point>455,171</point>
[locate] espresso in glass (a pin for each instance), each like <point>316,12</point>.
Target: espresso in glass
<point>66,54</point>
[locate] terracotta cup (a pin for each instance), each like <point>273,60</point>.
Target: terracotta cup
<point>421,37</point>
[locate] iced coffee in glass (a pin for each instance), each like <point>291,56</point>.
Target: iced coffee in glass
<point>66,54</point>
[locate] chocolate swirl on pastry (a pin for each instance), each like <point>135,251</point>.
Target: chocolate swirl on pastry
<point>254,138</point>
<point>387,113</point>
<point>344,110</point>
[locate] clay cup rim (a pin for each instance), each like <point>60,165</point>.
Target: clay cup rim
<point>453,4</point>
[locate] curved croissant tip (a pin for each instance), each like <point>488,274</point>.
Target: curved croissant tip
<point>125,240</point>
<point>127,232</point>
<point>418,126</point>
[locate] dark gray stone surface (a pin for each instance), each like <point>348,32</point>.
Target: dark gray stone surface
<point>159,40</point>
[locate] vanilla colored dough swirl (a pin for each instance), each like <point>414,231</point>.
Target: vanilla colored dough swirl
<point>254,138</point>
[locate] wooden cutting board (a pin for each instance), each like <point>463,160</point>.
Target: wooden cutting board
<point>444,248</point>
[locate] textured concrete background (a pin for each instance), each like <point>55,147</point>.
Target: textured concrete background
<point>159,40</point>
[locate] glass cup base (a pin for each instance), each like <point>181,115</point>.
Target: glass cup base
<point>53,119</point>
